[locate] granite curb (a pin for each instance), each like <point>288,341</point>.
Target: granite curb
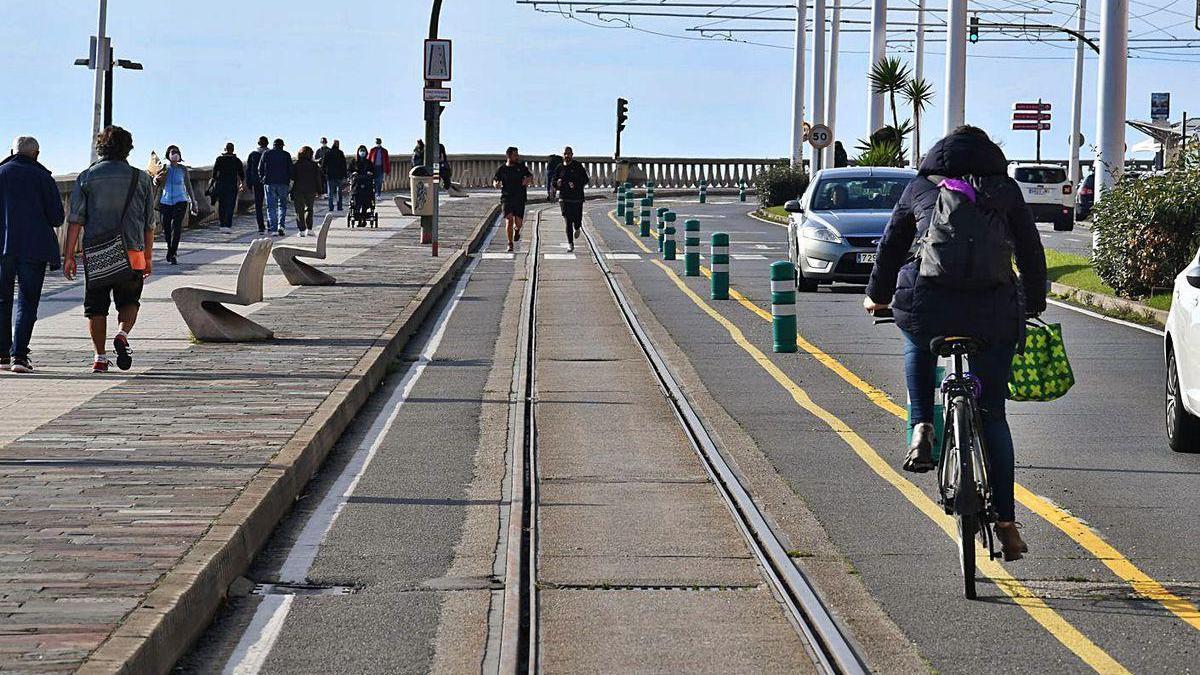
<point>172,616</point>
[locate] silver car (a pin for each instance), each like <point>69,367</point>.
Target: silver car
<point>835,226</point>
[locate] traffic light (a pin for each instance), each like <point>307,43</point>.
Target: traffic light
<point>973,36</point>
<point>622,114</point>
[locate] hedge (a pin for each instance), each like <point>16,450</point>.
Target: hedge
<point>780,183</point>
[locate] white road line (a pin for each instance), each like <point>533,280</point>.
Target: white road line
<point>1094,315</point>
<point>748,256</point>
<point>624,256</point>
<point>559,256</point>
<point>266,625</point>
<point>497,256</point>
<point>761,246</point>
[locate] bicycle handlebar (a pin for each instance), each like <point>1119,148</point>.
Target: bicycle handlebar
<point>883,316</point>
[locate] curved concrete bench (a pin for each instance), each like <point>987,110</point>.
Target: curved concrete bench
<point>404,205</point>
<point>300,273</point>
<point>203,309</point>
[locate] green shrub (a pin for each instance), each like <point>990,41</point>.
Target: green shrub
<point>1147,231</point>
<point>780,183</point>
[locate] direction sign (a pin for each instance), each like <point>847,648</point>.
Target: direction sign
<point>437,60</point>
<point>437,95</point>
<point>1032,116</point>
<point>820,136</point>
<point>1160,105</point>
<point>1031,126</point>
<point>1031,106</point>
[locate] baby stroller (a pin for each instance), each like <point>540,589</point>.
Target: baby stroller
<point>362,201</point>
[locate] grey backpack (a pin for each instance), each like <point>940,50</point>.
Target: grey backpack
<point>967,245</point>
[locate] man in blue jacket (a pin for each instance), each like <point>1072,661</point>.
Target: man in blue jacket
<point>255,183</point>
<point>275,171</point>
<point>30,210</point>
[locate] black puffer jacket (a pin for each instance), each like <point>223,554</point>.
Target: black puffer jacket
<point>926,308</point>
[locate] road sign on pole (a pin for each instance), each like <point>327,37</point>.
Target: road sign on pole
<point>437,95</point>
<point>1031,126</point>
<point>1160,104</point>
<point>437,60</point>
<point>1031,106</point>
<point>820,136</point>
<point>1032,117</point>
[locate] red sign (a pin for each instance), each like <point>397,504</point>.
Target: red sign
<point>1031,106</point>
<point>1030,126</point>
<point>1032,116</point>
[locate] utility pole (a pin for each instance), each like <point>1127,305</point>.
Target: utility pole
<point>101,65</point>
<point>1110,99</point>
<point>797,150</point>
<point>918,74</point>
<point>433,116</point>
<point>878,52</point>
<point>835,31</point>
<point>1077,99</point>
<point>818,89</point>
<point>956,64</point>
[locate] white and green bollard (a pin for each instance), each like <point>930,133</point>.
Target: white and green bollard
<point>660,223</point>
<point>668,234</point>
<point>629,215</point>
<point>703,191</point>
<point>650,189</point>
<point>644,221</point>
<point>691,248</point>
<point>719,286</point>
<point>742,191</point>
<point>783,306</point>
<point>621,202</point>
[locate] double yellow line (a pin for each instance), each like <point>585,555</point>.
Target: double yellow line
<point>1067,634</point>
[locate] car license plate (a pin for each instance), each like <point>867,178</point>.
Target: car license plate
<point>867,257</point>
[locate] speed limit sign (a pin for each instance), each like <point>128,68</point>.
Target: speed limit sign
<point>820,137</point>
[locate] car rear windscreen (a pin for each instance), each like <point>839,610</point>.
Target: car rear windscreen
<point>1041,175</point>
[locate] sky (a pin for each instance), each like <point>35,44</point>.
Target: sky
<point>221,70</point>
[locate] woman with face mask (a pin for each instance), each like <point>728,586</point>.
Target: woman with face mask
<point>362,185</point>
<point>176,200</point>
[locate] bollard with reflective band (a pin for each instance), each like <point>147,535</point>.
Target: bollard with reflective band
<point>742,191</point>
<point>644,221</point>
<point>669,239</point>
<point>629,215</point>
<point>691,248</point>
<point>650,189</point>
<point>783,306</point>
<point>660,223</point>
<point>621,203</point>
<point>719,262</point>
<point>703,191</point>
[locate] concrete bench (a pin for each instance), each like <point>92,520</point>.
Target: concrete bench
<point>203,309</point>
<point>300,273</point>
<point>404,205</point>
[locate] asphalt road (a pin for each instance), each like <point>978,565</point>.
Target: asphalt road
<point>1099,454</point>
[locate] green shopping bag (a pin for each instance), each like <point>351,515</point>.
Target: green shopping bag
<point>1043,372</point>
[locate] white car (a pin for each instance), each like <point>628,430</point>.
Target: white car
<point>1182,351</point>
<point>1048,192</point>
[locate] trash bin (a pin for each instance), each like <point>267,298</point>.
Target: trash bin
<point>424,191</point>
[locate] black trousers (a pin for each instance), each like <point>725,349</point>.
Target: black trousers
<point>226,204</point>
<point>259,195</point>
<point>172,220</point>
<point>573,215</point>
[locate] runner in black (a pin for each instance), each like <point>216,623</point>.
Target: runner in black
<point>513,179</point>
<point>572,178</point>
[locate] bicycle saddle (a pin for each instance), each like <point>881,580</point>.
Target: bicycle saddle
<point>949,346</point>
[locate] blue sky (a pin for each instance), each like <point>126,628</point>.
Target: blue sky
<point>220,71</point>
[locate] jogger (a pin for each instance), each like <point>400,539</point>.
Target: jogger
<point>570,180</point>
<point>513,179</point>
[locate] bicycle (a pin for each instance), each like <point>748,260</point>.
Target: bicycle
<point>963,454</point>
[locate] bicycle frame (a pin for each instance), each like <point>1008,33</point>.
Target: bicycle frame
<point>974,496</point>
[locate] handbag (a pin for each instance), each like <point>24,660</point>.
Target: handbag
<point>1043,372</point>
<point>107,260</point>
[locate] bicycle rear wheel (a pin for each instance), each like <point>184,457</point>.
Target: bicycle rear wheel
<point>968,525</point>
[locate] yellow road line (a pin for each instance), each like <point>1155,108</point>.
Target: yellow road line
<point>1080,533</point>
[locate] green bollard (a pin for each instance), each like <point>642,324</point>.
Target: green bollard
<point>650,189</point>
<point>719,286</point>
<point>629,216</point>
<point>691,248</point>
<point>783,306</point>
<point>668,226</point>
<point>659,224</point>
<point>644,221</point>
<point>742,191</point>
<point>669,239</point>
<point>703,191</point>
<point>621,203</point>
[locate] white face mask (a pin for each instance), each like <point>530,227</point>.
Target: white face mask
<point>174,157</point>
<point>362,154</point>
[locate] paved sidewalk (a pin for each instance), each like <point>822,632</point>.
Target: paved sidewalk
<point>107,482</point>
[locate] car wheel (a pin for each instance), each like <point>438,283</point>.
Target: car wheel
<point>804,285</point>
<point>1064,224</point>
<point>1183,429</point>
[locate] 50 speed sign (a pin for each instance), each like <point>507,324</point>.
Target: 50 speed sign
<point>820,137</point>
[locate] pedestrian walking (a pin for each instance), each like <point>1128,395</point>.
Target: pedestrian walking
<point>552,165</point>
<point>335,173</point>
<point>305,188</point>
<point>275,171</point>
<point>228,179</point>
<point>964,167</point>
<point>570,179</point>
<point>112,205</point>
<point>362,184</point>
<point>382,163</point>
<point>513,178</point>
<point>322,151</point>
<point>254,181</point>
<point>444,169</point>
<point>418,155</point>
<point>30,211</point>
<point>176,201</point>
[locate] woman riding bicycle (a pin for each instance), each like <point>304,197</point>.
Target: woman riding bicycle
<point>968,162</point>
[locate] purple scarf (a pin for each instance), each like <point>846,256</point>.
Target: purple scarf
<point>959,185</point>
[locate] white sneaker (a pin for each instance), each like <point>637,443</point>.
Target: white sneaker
<point>302,234</point>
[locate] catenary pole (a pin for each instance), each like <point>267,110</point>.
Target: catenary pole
<point>818,75</point>
<point>433,130</point>
<point>1110,99</point>
<point>878,52</point>
<point>956,64</point>
<point>797,150</point>
<point>1077,98</point>
<point>835,31</point>
<point>101,67</point>
<point>918,74</point>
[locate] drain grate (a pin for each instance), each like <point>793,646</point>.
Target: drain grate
<point>302,589</point>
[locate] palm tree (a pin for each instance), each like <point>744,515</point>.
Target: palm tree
<point>918,93</point>
<point>890,76</point>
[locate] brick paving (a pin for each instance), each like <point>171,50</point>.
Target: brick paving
<point>107,481</point>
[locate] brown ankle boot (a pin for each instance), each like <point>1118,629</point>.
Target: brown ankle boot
<point>920,452</point>
<point>1010,541</point>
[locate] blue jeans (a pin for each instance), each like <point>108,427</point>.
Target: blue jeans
<point>277,201</point>
<point>333,187</point>
<point>27,276</point>
<point>379,182</point>
<point>992,366</point>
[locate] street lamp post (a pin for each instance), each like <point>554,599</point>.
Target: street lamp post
<point>797,150</point>
<point>1110,100</point>
<point>101,64</point>
<point>433,112</point>
<point>956,64</point>
<point>918,74</point>
<point>818,76</point>
<point>878,53</point>
<point>835,31</point>
<point>1077,98</point>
